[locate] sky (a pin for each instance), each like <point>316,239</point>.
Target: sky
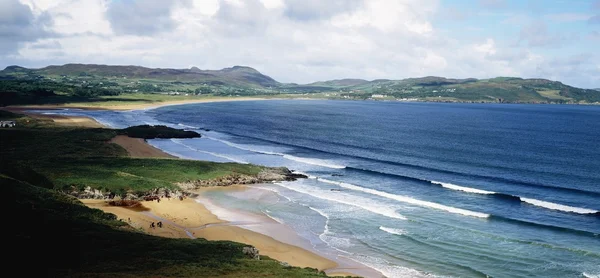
<point>303,41</point>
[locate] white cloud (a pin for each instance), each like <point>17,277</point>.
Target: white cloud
<point>291,40</point>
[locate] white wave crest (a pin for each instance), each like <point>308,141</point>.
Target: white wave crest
<point>176,141</point>
<point>393,231</point>
<point>311,161</point>
<point>319,212</point>
<point>587,275</point>
<point>535,202</point>
<point>188,126</point>
<point>354,201</point>
<point>238,146</point>
<point>302,173</point>
<point>555,206</point>
<point>266,212</point>
<point>462,188</point>
<point>409,200</point>
<point>314,161</point>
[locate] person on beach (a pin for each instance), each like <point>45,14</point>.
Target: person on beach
<point>152,225</point>
<point>159,224</point>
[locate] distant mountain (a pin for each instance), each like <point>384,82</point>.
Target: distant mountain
<point>339,82</point>
<point>433,88</point>
<point>240,80</point>
<point>237,75</point>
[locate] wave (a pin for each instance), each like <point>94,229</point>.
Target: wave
<point>462,188</point>
<point>419,167</point>
<point>406,199</point>
<point>482,177</point>
<point>314,161</point>
<point>355,202</point>
<point>393,231</point>
<point>587,275</point>
<point>552,227</point>
<point>266,212</point>
<point>238,146</point>
<point>188,126</point>
<point>535,202</point>
<point>560,207</point>
<point>177,141</point>
<point>305,160</point>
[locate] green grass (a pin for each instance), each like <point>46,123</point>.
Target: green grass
<point>552,94</point>
<point>80,157</point>
<point>60,237</point>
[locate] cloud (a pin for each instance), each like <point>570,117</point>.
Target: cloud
<point>140,17</point>
<point>568,17</point>
<point>318,9</point>
<point>536,34</point>
<point>18,25</point>
<point>290,40</point>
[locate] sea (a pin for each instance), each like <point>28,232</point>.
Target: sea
<point>412,189</point>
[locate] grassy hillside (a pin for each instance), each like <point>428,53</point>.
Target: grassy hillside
<point>81,83</point>
<point>57,236</point>
<point>60,237</point>
<point>75,158</point>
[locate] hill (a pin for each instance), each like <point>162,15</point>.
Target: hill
<point>88,82</point>
<point>237,75</point>
<point>41,162</point>
<point>432,88</point>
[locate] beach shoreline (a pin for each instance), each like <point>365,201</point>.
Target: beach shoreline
<point>178,217</point>
<point>130,106</point>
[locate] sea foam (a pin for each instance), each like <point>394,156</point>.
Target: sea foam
<point>462,188</point>
<point>406,199</point>
<point>305,160</point>
<point>555,206</point>
<point>393,231</point>
<point>177,141</point>
<point>531,201</point>
<point>346,199</point>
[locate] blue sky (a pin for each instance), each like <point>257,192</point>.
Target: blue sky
<point>304,41</point>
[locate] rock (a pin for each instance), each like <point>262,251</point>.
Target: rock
<point>251,252</point>
<point>284,264</point>
<point>279,174</point>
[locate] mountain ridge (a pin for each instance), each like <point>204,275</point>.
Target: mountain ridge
<point>429,88</point>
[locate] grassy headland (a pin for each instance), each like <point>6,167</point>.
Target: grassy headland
<point>40,160</point>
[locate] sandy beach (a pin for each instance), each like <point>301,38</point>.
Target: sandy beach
<point>188,218</point>
<point>130,106</point>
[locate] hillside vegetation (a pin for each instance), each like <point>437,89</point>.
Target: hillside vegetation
<point>58,236</point>
<point>81,83</point>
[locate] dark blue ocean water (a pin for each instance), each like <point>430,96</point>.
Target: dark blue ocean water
<point>463,190</point>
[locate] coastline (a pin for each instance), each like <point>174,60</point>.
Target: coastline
<point>191,218</point>
<point>130,106</point>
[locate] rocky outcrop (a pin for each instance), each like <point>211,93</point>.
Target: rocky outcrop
<point>266,175</point>
<point>90,193</point>
<point>251,252</point>
<point>279,174</point>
